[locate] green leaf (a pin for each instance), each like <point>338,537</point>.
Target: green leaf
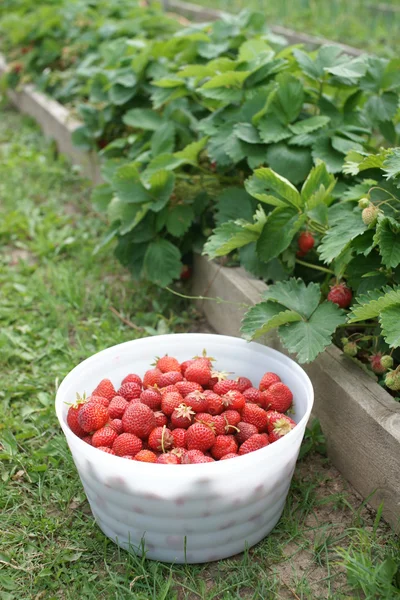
<point>370,305</point>
<point>309,125</point>
<point>247,132</point>
<point>262,74</point>
<point>161,186</point>
<point>318,186</point>
<point>289,161</point>
<point>119,94</point>
<point>229,79</point>
<point>251,49</point>
<point>278,232</point>
<point>272,130</point>
<point>382,107</point>
<point>162,262</point>
<point>269,187</point>
<point>142,118</point>
<point>308,338</point>
<point>323,150</point>
<point>234,203</point>
<point>347,225</point>
<point>127,185</point>
<point>82,138</point>
<point>163,162</point>
<point>344,146</point>
<point>289,98</point>
<point>272,271</point>
<point>265,316</point>
<point>350,71</point>
<point>191,152</point>
<point>163,139</point>
<point>390,322</point>
<point>228,237</point>
<point>388,239</point>
<point>295,295</point>
<point>307,65</point>
<point>179,219</point>
<point>391,164</point>
<point>101,197</point>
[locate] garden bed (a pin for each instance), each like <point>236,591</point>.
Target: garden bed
<point>360,420</point>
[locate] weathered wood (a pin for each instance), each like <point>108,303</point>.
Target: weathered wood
<point>358,417</point>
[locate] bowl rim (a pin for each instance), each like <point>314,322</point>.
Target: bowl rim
<point>271,449</point>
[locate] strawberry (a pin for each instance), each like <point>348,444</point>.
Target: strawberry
<point>216,376</point>
<point>392,380</point>
<point>218,424</point>
<point>341,295</point>
<point>199,437</point>
<point>92,416</point>
<point>179,436</point>
<point>202,459</point>
<point>234,400</point>
<point>152,398</point>
<point>185,273</point>
<point>224,444</point>
<point>161,419</point>
<point>169,378</point>
<point>370,215</point>
<point>185,365</point>
<point>146,456</point>
<point>279,424</point>
<point>215,404</point>
<point>87,439</point>
<point>132,378</point>
<point>231,418</point>
<point>223,387</point>
<point>104,437</point>
<point>187,387</point>
<point>151,377</point>
<point>169,402</point>
<point>193,457</point>
<point>252,395</point>
<point>256,416</point>
<point>100,399</point>
<point>117,425</point>
<point>204,418</point>
<point>179,453</point>
<point>161,439</point>
<point>268,379</point>
<point>168,459</point>
<point>166,390</point>
<point>139,419</point>
<point>305,241</point>
<point>105,389</point>
<point>106,449</point>
<point>127,443</point>
<point>351,349</point>
<point>168,363</point>
<point>277,397</point>
<point>387,361</point>
<point>364,202</point>
<point>129,391</point>
<point>243,384</point>
<point>182,416</point>
<point>197,401</point>
<point>255,442</point>
<point>72,419</point>
<point>228,456</point>
<point>117,407</point>
<point>245,430</point>
<point>376,364</point>
<point>199,371</point>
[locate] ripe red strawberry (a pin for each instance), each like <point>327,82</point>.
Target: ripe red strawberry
<point>252,395</point>
<point>127,444</point>
<point>305,241</point>
<point>151,378</point>
<point>204,418</point>
<point>223,387</point>
<point>193,457</point>
<point>105,389</point>
<point>246,430</point>
<point>87,439</point>
<point>243,384</point>
<point>160,418</point>
<point>376,365</point>
<point>117,425</point>
<point>185,365</point>
<point>341,295</point>
<point>279,424</point>
<point>216,376</point>
<point>146,456</point>
<point>200,437</point>
<point>106,449</point>
<point>138,419</point>
<point>215,404</point>
<point>197,400</point>
<point>161,439</point>
<point>199,371</point>
<point>117,407</point>
<point>72,419</point>
<point>202,459</point>
<point>256,416</point>
<point>255,442</point>
<point>228,456</point>
<point>218,424</point>
<point>182,416</point>
<point>129,391</point>
<point>234,400</point>
<point>166,390</point>
<point>179,436</point>
<point>185,273</point>
<point>100,399</point>
<point>179,453</point>
<point>277,397</point>
<point>169,378</point>
<point>152,398</point>
<point>168,459</point>
<point>224,444</point>
<point>168,363</point>
<point>268,379</point>
<point>169,402</point>
<point>232,418</point>
<point>92,416</point>
<point>104,437</point>
<point>132,378</point>
<point>187,387</point>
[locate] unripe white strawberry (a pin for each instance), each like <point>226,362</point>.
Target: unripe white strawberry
<point>364,203</point>
<point>387,361</point>
<point>370,215</point>
<point>392,381</point>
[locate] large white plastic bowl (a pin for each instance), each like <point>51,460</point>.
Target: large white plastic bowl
<point>187,513</point>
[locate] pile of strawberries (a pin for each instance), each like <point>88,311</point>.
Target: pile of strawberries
<point>183,413</point>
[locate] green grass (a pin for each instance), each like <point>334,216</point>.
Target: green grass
<point>355,22</point>
<point>55,300</point>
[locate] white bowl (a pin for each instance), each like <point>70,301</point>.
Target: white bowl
<point>187,513</point>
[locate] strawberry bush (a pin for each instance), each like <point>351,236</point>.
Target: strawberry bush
<point>220,138</point>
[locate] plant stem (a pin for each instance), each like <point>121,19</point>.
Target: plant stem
<point>347,325</point>
<point>217,299</point>
<point>316,267</point>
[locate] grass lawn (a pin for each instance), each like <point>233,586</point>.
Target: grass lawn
<point>58,305</point>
